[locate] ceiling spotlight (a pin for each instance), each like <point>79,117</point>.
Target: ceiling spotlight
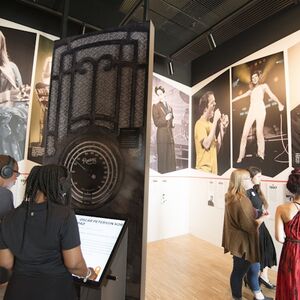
<point>83,28</point>
<point>211,42</point>
<point>171,67</point>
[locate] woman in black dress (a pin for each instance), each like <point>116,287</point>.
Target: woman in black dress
<point>266,245</point>
<point>39,240</point>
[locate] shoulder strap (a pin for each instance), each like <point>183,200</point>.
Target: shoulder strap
<point>296,204</point>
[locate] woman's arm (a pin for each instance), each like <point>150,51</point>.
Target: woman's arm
<point>246,218</point>
<point>159,116</point>
<point>6,259</point>
<point>71,250</point>
<point>262,218</point>
<point>207,141</point>
<point>224,122</point>
<point>273,97</point>
<point>279,226</point>
<point>17,74</point>
<point>247,94</point>
<point>75,263</point>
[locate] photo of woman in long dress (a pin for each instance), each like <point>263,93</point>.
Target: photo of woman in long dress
<point>16,61</point>
<point>169,128</point>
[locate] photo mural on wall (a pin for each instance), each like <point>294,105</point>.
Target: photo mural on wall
<point>40,96</point>
<point>169,131</point>
<point>259,115</point>
<point>294,75</point>
<point>16,59</point>
<point>210,126</point>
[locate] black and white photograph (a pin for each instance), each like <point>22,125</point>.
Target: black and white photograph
<point>259,114</point>
<point>294,75</point>
<point>169,132</point>
<point>16,60</point>
<point>40,97</point>
<point>210,123</point>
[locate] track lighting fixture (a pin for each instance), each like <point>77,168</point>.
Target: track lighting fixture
<point>171,67</point>
<point>211,42</point>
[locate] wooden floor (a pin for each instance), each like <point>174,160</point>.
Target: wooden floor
<point>188,268</point>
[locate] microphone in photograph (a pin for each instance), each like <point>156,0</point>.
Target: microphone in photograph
<point>218,126</point>
<point>4,275</point>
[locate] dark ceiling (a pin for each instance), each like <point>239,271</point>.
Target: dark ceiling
<point>184,29</point>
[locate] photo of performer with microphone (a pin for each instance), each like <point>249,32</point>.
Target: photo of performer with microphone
<point>209,135</point>
<point>211,151</point>
<point>256,113</point>
<point>259,119</point>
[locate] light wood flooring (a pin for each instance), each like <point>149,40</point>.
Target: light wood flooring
<point>188,268</point>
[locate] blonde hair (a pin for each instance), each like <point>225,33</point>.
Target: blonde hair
<point>235,189</point>
<point>4,60</point>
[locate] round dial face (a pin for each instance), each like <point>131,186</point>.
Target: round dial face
<point>95,172</point>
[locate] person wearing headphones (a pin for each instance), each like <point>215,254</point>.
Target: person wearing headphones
<point>9,171</point>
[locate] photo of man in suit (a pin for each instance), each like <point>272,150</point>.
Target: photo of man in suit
<point>162,114</point>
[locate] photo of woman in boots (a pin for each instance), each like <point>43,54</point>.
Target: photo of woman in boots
<point>240,235</point>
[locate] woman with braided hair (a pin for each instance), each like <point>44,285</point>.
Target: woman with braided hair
<point>287,232</point>
<point>39,240</point>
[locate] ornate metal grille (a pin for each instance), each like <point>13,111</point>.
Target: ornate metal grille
<point>97,80</point>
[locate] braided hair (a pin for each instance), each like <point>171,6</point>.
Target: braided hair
<point>47,179</point>
<point>52,181</point>
<point>293,183</point>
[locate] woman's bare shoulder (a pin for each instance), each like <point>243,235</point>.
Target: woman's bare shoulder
<point>284,206</point>
<point>287,211</point>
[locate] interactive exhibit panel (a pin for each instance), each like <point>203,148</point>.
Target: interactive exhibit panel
<point>100,238</point>
<point>96,127</point>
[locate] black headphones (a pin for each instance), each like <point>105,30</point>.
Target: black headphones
<point>64,189</point>
<point>7,170</point>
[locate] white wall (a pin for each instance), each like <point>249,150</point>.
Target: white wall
<point>178,203</point>
<point>206,222</point>
<point>168,210</point>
